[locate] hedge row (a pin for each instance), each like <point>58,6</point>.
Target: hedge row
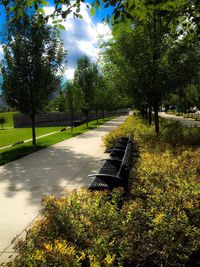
<point>158,225</point>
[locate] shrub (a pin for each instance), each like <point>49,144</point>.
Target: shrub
<point>167,187</point>
<point>168,184</point>
<point>76,229</point>
<point>157,225</point>
<point>175,133</point>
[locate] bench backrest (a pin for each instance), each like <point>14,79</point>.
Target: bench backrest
<point>126,161</point>
<point>117,151</point>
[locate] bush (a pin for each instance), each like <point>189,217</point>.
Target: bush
<point>78,228</point>
<point>167,187</point>
<point>158,225</point>
<point>176,133</point>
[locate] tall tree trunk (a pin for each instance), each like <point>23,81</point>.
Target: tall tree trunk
<point>146,113</point>
<point>72,121</point>
<point>87,119</point>
<point>150,115</point>
<point>142,112</point>
<point>103,113</point>
<point>32,112</point>
<point>33,129</point>
<point>97,115</point>
<point>156,118</point>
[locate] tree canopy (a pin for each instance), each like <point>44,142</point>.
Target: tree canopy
<point>33,58</point>
<point>146,34</point>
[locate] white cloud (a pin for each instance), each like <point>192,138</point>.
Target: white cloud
<point>69,73</point>
<point>1,53</point>
<point>81,37</point>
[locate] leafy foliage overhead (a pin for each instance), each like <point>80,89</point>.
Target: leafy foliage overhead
<point>123,10</point>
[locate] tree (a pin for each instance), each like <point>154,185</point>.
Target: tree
<point>184,67</point>
<point>148,30</point>
<point>160,21</point>
<point>122,11</point>
<point>60,102</point>
<point>2,121</point>
<point>99,101</point>
<point>33,58</point>
<point>73,100</point>
<point>84,78</point>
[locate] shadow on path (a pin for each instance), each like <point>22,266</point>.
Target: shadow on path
<point>51,170</point>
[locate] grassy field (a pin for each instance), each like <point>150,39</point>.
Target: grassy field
<point>15,152</point>
<point>9,136</point>
<point>9,118</point>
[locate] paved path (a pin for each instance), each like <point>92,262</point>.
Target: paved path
<point>185,121</point>
<point>62,166</point>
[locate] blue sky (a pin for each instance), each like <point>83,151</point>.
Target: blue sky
<point>81,36</point>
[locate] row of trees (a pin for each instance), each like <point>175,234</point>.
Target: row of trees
<point>90,90</point>
<point>33,69</point>
<point>156,53</point>
<point>153,57</point>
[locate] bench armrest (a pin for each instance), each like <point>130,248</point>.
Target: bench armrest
<point>101,175</point>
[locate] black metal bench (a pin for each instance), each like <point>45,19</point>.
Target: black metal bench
<point>121,143</point>
<point>114,172</point>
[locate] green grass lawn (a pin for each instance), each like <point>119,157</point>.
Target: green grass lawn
<point>9,118</point>
<point>9,136</point>
<point>15,152</point>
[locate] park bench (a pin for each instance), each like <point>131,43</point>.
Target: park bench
<point>120,144</point>
<point>114,172</point>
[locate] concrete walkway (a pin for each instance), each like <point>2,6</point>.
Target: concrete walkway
<point>186,121</point>
<point>62,166</point>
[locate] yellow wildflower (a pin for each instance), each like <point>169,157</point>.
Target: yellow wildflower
<point>158,218</point>
<point>82,256</point>
<point>94,262</point>
<point>109,259</point>
<point>48,246</point>
<point>64,248</point>
<point>39,255</point>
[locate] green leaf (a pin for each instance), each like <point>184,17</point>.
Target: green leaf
<point>121,27</point>
<point>44,3</point>
<point>98,4</point>
<point>92,11</point>
<point>61,27</point>
<point>41,10</point>
<point>57,21</point>
<point>79,16</point>
<point>29,3</point>
<point>116,29</point>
